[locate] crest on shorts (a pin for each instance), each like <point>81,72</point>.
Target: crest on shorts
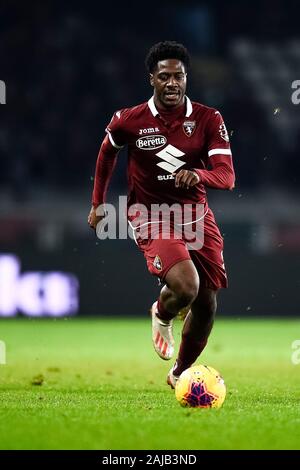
<point>189,127</point>
<point>157,263</point>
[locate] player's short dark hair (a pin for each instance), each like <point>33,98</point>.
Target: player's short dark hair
<point>166,50</point>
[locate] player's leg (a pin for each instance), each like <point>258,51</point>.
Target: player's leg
<point>181,289</point>
<point>196,330</point>
<point>198,324</point>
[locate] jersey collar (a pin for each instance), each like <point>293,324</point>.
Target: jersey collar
<point>188,111</point>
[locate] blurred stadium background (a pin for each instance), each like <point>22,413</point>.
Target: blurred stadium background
<point>67,68</point>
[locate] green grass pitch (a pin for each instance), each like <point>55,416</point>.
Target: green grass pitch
<point>98,384</point>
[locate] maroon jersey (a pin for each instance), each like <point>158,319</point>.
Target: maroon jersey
<point>160,143</point>
<point>158,147</point>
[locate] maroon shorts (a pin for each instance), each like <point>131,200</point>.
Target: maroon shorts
<point>161,254</point>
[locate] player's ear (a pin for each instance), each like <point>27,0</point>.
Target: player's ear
<point>151,79</point>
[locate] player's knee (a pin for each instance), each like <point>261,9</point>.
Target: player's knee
<point>207,307</point>
<point>187,291</point>
<point>211,308</point>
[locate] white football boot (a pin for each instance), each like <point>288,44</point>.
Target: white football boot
<point>162,335</point>
<point>171,378</point>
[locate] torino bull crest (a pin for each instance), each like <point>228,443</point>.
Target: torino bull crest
<point>189,127</point>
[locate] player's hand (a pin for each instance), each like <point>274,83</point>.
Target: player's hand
<point>93,218</point>
<point>186,179</point>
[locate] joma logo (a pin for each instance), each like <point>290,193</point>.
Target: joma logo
<point>149,130</point>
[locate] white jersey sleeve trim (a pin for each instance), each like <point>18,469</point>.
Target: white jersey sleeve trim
<point>219,152</point>
<point>113,143</point>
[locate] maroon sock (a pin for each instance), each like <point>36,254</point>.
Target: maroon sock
<point>163,314</point>
<point>189,351</point>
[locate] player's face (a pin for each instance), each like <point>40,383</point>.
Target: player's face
<point>169,82</point>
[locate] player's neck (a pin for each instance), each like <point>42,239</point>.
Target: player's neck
<point>169,109</point>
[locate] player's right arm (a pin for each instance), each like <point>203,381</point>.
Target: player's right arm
<point>105,165</point>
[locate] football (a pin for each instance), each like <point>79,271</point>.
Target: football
<point>200,387</point>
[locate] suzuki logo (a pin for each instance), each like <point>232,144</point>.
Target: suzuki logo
<point>170,156</point>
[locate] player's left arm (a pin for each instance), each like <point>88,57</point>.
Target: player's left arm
<point>221,174</point>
